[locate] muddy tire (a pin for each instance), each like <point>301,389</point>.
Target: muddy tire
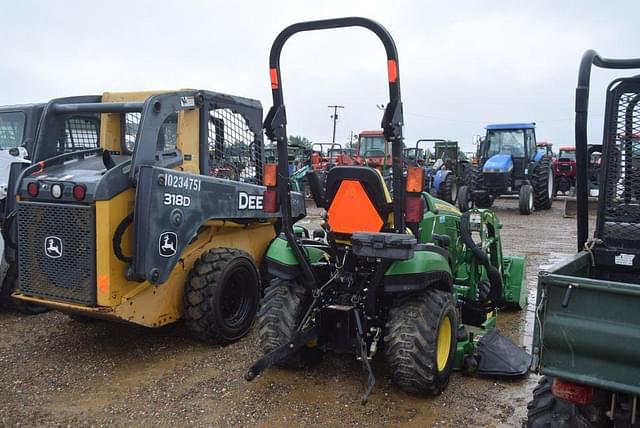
<point>221,296</point>
<point>420,341</point>
<point>283,307</point>
<point>542,183</point>
<point>481,201</point>
<point>526,199</point>
<point>464,201</point>
<point>449,189</point>
<point>8,286</point>
<point>546,410</point>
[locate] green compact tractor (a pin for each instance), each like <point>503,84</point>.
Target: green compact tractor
<point>587,331</point>
<point>409,275</point>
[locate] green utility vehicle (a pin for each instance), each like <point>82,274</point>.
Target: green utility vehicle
<point>409,275</point>
<point>587,333</point>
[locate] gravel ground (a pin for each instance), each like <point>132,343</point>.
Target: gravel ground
<point>56,371</point>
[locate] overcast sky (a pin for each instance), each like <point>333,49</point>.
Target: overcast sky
<point>463,64</point>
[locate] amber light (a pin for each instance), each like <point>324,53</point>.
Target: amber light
<point>270,201</point>
<point>573,392</point>
<point>415,179</point>
<point>270,175</point>
<point>413,208</point>
<point>33,189</point>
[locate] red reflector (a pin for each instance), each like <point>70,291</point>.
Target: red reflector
<point>33,189</point>
<point>573,392</point>
<point>392,69</point>
<point>413,209</point>
<point>79,192</point>
<point>270,201</point>
<point>274,78</point>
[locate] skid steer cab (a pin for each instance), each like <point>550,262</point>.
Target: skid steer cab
<point>509,164</point>
<point>409,275</point>
<point>142,228</point>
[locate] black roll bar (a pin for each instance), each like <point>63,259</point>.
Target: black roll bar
<point>589,59</point>
<point>392,122</point>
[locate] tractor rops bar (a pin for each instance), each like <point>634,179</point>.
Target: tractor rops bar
<point>97,108</point>
<point>589,59</point>
<point>392,121</point>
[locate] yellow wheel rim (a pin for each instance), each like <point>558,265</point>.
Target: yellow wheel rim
<point>443,346</point>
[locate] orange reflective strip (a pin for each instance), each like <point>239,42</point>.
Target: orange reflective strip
<point>274,78</point>
<point>103,283</point>
<point>392,69</point>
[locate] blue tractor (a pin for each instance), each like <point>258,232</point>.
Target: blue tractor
<point>509,164</point>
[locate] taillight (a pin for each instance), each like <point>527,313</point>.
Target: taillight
<point>413,208</point>
<point>33,189</point>
<point>270,201</point>
<point>573,392</point>
<point>79,192</point>
<point>270,175</point>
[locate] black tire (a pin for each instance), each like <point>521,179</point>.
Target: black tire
<point>546,410</point>
<point>542,183</point>
<point>8,286</point>
<point>412,340</point>
<point>449,189</point>
<point>526,199</point>
<point>283,307</point>
<point>221,296</point>
<point>467,174</point>
<point>484,200</point>
<point>464,201</point>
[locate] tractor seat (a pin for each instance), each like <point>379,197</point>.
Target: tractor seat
<point>357,200</point>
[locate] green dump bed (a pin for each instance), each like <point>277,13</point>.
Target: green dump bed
<point>591,334</point>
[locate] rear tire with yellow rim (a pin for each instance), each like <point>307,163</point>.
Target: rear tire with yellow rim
<point>420,341</point>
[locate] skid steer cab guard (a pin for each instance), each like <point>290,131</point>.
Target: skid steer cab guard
<point>383,253</point>
<point>122,231</point>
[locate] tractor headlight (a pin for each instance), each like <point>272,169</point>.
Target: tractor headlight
<point>56,191</point>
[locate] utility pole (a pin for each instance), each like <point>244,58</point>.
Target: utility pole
<point>334,116</point>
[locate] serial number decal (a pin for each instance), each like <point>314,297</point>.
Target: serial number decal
<point>183,182</point>
<point>174,199</point>
<point>249,202</point>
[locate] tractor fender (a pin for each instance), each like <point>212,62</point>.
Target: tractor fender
<point>427,268</point>
<point>538,157</point>
<point>282,262</point>
<point>439,178</point>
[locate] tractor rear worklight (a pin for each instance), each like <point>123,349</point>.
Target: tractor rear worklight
<point>413,208</point>
<point>575,393</point>
<point>270,201</point>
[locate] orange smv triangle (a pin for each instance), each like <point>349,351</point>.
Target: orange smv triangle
<point>352,210</point>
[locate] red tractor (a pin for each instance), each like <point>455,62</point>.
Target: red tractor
<point>373,150</point>
<point>564,170</point>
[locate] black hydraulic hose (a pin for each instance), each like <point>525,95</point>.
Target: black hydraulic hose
<point>117,239</point>
<point>495,278</point>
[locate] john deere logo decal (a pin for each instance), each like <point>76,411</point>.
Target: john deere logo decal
<point>167,244</point>
<point>53,247</point>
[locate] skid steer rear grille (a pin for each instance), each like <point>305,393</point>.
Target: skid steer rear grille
<point>56,251</point>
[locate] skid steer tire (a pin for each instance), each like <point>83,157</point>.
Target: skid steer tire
<point>481,201</point>
<point>546,410</point>
<point>8,286</point>
<point>449,189</point>
<point>420,341</point>
<point>542,183</point>
<point>221,296</point>
<point>283,307</point>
